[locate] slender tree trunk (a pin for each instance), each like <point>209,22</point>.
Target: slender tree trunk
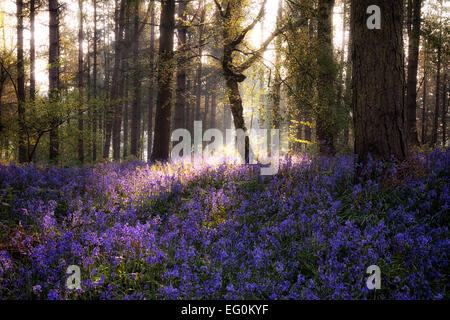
<point>21,83</point>
<point>276,116</point>
<point>413,58</point>
<point>136,111</point>
<point>110,108</point>
<point>198,96</point>
<point>112,115</point>
<point>189,107</point>
<point>326,90</point>
<point>181,64</point>
<point>80,85</point>
<point>206,111</point>
<point>152,83</point>
<point>444,112</point>
<point>54,71</point>
<point>124,66</point>
<point>378,82</point>
<point>424,98</point>
<point>32,52</point>
<point>165,86</point>
<point>94,87</point>
<point>126,119</point>
<point>434,137</point>
<point>212,117</point>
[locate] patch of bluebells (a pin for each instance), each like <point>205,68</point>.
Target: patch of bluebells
<point>172,231</point>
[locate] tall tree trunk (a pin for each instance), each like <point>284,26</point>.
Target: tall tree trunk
<point>424,98</point>
<point>326,89</point>
<point>21,83</point>
<point>152,82</point>
<point>181,71</point>
<point>80,85</point>
<point>234,74</point>
<point>434,137</point>
<point>198,95</point>
<point>94,87</point>
<point>112,115</point>
<point>276,116</point>
<point>413,58</point>
<point>212,118</point>
<point>444,112</point>
<point>136,111</point>
<point>189,107</point>
<point>165,86</point>
<point>206,111</point>
<point>347,99</point>
<point>379,110</point>
<point>32,52</point>
<point>126,119</point>
<point>124,66</point>
<point>53,73</point>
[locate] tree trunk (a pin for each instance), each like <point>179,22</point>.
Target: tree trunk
<point>112,111</point>
<point>198,81</point>
<point>94,87</point>
<point>152,81</point>
<point>413,58</point>
<point>21,83</point>
<point>80,85</point>
<point>379,110</point>
<point>124,66</point>
<point>237,109</point>
<point>53,73</point>
<point>113,89</point>
<point>212,117</point>
<point>189,106</point>
<point>181,72</point>
<point>434,137</point>
<point>424,98</point>
<point>125,120</point>
<point>136,111</point>
<point>165,86</point>
<point>276,116</point>
<point>444,112</point>
<point>326,89</point>
<point>32,52</point>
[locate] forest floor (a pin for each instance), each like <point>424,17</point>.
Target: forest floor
<point>169,231</point>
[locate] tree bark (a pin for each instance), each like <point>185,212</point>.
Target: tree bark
<point>326,90</point>
<point>424,98</point>
<point>181,72</point>
<point>112,113</point>
<point>198,81</point>
<point>165,86</point>
<point>124,66</point>
<point>80,85</point>
<point>413,58</point>
<point>125,121</point>
<point>380,121</point>
<point>94,87</point>
<point>21,83</point>
<point>444,112</point>
<point>276,116</point>
<point>136,111</point>
<point>434,136</point>
<point>212,117</point>
<point>152,82</point>
<point>54,71</point>
<point>32,52</point>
